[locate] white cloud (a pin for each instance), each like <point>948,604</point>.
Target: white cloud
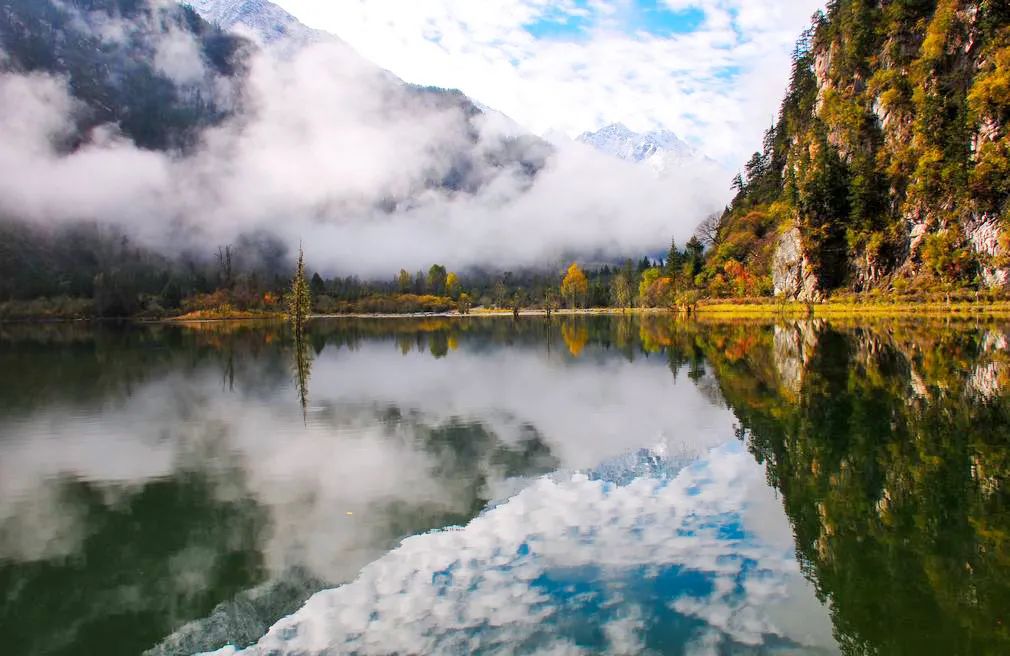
<point>177,56</point>
<point>322,140</point>
<point>717,86</point>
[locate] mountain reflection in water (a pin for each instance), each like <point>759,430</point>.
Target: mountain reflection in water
<point>619,484</point>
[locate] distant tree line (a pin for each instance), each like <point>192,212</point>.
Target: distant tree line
<point>92,270</point>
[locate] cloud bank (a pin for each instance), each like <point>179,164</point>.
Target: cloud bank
<point>713,71</point>
<point>328,150</point>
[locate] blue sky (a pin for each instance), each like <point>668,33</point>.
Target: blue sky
<point>713,71</point>
<point>643,16</point>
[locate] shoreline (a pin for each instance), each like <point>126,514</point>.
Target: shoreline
<point>721,309</point>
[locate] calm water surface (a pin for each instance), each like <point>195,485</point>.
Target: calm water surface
<point>598,485</point>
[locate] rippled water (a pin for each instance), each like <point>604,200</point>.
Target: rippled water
<point>603,485</point>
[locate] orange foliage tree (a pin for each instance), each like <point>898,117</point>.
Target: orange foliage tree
<point>743,281</point>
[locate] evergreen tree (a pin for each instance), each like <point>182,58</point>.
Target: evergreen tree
<point>674,260</point>
<point>299,298</point>
<point>437,276</point>
<point>694,258</point>
<point>317,285</point>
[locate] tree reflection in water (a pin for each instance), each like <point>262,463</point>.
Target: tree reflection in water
<point>887,441</point>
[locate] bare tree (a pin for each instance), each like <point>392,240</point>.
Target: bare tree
<point>708,230</point>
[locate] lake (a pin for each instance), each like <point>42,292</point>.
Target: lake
<point>483,485</point>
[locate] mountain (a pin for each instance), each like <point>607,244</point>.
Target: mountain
<point>143,93</point>
<point>274,27</point>
<point>267,22</point>
<point>661,150</point>
<point>889,165</point>
<point>118,60</point>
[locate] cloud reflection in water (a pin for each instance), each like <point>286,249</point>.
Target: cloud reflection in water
<point>701,557</point>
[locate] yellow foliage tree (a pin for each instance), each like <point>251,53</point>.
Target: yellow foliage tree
<point>451,285</point>
<point>575,285</point>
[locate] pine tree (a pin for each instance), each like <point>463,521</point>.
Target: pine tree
<point>674,260</point>
<point>317,286</point>
<point>694,257</point>
<point>299,298</point>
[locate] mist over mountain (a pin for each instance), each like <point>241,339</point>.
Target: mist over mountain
<point>142,141</point>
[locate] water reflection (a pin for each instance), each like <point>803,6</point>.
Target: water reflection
<point>891,447</point>
<point>692,560</point>
<point>186,487</point>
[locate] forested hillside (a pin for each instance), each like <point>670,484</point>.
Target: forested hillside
<point>126,62</point>
<point>889,164</point>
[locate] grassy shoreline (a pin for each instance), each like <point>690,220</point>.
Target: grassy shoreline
<point>707,309</point>
<point>933,309</point>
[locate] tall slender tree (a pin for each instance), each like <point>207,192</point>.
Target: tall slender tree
<point>299,298</point>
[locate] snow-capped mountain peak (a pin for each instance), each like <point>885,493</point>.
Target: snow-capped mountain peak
<point>263,19</point>
<point>661,150</point>
<point>617,140</point>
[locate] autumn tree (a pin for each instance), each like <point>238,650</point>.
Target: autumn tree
<point>464,303</point>
<point>646,288</point>
<point>743,281</point>
<point>403,281</point>
<point>621,291</point>
<point>451,284</point>
<point>575,285</point>
<point>947,255</point>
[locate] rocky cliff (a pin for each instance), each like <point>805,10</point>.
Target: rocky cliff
<point>890,160</point>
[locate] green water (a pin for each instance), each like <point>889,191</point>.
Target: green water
<point>175,489</point>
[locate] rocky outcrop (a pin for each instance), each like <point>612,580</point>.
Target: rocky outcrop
<point>792,273</point>
<point>984,237</point>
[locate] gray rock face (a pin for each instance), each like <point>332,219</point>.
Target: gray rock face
<point>984,237</point>
<point>792,274</point>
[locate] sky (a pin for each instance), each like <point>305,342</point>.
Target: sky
<point>713,71</point>
<point>324,149</point>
